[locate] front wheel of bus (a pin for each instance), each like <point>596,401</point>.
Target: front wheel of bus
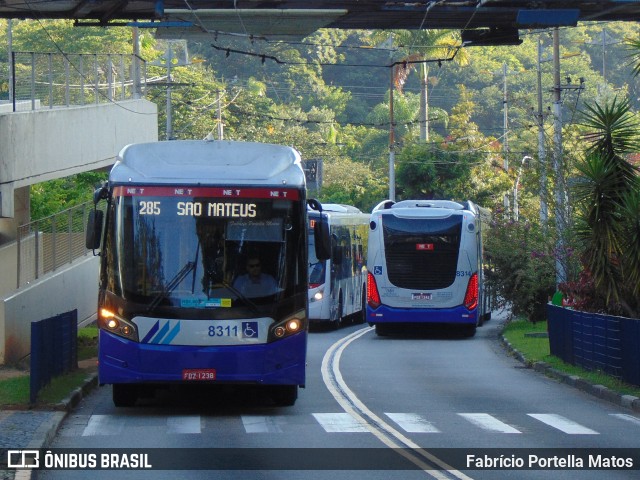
<point>124,395</point>
<point>362,316</point>
<point>284,395</point>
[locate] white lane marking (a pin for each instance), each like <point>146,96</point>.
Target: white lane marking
<point>563,424</point>
<point>487,422</point>
<point>412,422</point>
<point>336,385</point>
<point>184,424</point>
<point>261,424</point>
<point>628,418</point>
<point>104,425</point>
<point>340,423</point>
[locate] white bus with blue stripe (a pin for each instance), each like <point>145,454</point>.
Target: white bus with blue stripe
<point>337,285</point>
<point>188,225</point>
<point>425,265</point>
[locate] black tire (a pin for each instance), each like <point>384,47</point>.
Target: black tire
<point>469,330</point>
<point>339,320</point>
<point>362,316</point>
<point>125,395</point>
<point>382,330</point>
<point>284,395</point>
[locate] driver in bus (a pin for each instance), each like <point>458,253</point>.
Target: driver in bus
<point>255,283</point>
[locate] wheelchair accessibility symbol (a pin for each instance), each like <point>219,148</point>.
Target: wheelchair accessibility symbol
<point>249,329</point>
<point>377,269</point>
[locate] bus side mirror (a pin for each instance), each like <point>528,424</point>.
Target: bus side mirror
<point>94,229</point>
<point>322,239</point>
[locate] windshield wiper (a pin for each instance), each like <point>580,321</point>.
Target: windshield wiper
<point>241,296</point>
<point>171,286</point>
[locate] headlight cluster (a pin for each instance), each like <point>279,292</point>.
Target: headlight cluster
<point>290,326</point>
<point>111,322</point>
<point>316,297</point>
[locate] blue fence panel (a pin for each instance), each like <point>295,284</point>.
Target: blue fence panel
<point>54,349</point>
<point>596,342</point>
<point>630,351</point>
<point>560,327</point>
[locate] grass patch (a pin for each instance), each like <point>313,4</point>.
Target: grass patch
<point>61,387</point>
<point>536,349</point>
<point>14,391</point>
<point>87,342</point>
<point>15,388</point>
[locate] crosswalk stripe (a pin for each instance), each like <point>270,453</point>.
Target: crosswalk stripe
<point>628,418</point>
<point>339,423</point>
<point>184,424</point>
<point>261,424</point>
<point>412,423</point>
<point>104,425</point>
<point>563,424</point>
<point>487,422</point>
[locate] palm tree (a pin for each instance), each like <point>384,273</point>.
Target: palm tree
<point>417,48</point>
<point>608,205</point>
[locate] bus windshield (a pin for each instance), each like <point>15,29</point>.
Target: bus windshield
<point>422,253</point>
<point>208,255</point>
<point>316,267</point>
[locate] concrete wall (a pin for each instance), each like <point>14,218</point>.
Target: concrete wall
<point>9,262</point>
<point>73,287</point>
<point>41,145</point>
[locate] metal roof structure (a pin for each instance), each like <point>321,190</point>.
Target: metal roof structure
<point>482,21</point>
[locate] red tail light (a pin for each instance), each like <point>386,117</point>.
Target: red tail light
<point>373,297</point>
<point>471,296</point>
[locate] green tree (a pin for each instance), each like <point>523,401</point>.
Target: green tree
<point>608,207</point>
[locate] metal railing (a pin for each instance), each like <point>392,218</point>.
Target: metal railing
<point>47,244</point>
<point>51,80</point>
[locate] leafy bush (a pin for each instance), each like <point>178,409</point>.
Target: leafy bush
<point>521,267</point>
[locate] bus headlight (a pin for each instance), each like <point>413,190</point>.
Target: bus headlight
<point>111,322</point>
<point>289,326</point>
<point>318,295</point>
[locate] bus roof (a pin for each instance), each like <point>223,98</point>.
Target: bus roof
<point>421,208</point>
<point>340,208</point>
<point>204,162</point>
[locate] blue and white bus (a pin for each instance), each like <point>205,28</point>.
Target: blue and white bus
<point>425,265</point>
<point>338,285</point>
<point>188,225</point>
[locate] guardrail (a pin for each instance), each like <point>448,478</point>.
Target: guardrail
<point>51,80</point>
<point>47,244</point>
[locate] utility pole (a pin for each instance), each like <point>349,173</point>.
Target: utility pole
<point>424,104</point>
<point>11,59</point>
<point>220,126</point>
<point>137,88</point>
<point>169,56</point>
<point>542,153</point>
<point>505,119</point>
<point>561,270</point>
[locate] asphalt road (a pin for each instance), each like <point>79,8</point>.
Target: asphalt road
<point>418,402</point>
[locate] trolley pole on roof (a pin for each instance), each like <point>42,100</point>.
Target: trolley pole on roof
<point>392,140</point>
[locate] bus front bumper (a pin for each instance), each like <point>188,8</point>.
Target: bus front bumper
<point>278,363</point>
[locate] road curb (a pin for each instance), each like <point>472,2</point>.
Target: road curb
<point>46,433</point>
<point>630,402</point>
